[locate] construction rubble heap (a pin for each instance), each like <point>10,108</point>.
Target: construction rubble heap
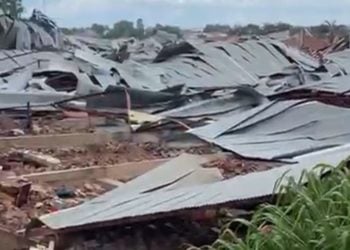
<point>146,144</point>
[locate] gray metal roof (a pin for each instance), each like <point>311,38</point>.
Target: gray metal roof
<point>341,59</point>
<point>25,34</point>
<point>119,208</point>
<point>280,130</point>
<point>339,85</point>
<point>215,108</point>
<point>213,65</point>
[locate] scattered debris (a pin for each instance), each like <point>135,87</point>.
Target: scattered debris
<point>233,166</point>
<point>16,132</point>
<point>40,160</point>
<point>75,112</point>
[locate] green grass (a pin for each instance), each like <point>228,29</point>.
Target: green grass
<point>312,216</point>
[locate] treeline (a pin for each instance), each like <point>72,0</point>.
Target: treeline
<point>125,28</point>
<point>323,29</point>
<point>137,29</point>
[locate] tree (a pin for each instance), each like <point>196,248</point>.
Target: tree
<point>278,27</point>
<point>140,28</point>
<point>251,29</point>
<point>122,29</point>
<point>217,28</point>
<point>99,29</point>
<point>170,29</point>
<point>13,8</point>
<point>67,31</point>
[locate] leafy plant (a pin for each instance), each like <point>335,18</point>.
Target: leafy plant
<point>312,216</point>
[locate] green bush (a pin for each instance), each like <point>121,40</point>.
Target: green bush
<point>312,216</point>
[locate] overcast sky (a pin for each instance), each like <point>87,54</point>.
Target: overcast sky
<point>192,13</point>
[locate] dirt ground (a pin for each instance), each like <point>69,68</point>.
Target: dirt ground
<point>44,199</point>
<point>95,155</point>
<point>233,166</point>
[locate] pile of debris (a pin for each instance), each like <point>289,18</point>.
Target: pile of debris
<point>128,144</point>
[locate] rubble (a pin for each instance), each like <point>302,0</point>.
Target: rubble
<point>40,160</point>
<point>16,132</point>
<point>267,107</point>
<point>234,166</point>
<point>16,212</point>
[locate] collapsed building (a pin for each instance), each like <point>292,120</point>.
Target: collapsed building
<point>131,144</point>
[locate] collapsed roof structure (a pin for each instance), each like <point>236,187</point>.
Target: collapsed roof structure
<point>256,99</point>
<point>39,32</point>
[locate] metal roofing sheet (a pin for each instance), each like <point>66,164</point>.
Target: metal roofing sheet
<point>217,128</point>
<point>17,81</point>
<point>304,60</point>
<point>217,64</point>
<point>280,130</point>
<point>25,34</point>
<point>214,106</point>
<point>40,37</point>
<point>341,59</point>
<point>339,85</point>
<point>117,208</point>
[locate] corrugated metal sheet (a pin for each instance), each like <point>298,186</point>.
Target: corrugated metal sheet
<point>341,59</point>
<point>210,65</point>
<point>118,208</point>
<point>304,60</point>
<point>216,108</point>
<point>26,34</point>
<point>280,130</point>
<point>338,85</point>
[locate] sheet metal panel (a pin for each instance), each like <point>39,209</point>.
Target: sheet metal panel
<point>210,67</point>
<point>341,59</point>
<point>215,129</point>
<point>280,130</point>
<point>212,107</point>
<point>215,64</point>
<point>338,85</point>
<point>125,206</point>
<point>307,62</point>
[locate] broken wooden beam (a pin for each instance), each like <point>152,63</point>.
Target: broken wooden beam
<point>39,159</point>
<point>122,172</point>
<point>16,191</point>
<point>54,141</point>
<point>109,184</point>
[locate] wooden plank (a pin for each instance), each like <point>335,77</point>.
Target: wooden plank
<point>54,141</point>
<point>108,183</point>
<point>122,172</point>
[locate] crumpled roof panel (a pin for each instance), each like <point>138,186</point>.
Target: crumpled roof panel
<point>26,34</point>
<point>280,130</point>
<point>123,207</point>
<point>213,65</point>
